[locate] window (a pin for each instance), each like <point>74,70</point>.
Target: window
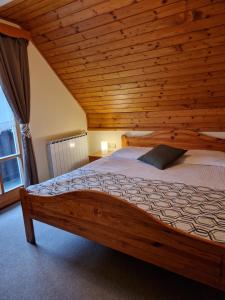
<point>10,159</point>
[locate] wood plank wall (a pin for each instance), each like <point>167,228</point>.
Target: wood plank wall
<point>134,64</point>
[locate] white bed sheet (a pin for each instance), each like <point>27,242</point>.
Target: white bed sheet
<point>193,174</point>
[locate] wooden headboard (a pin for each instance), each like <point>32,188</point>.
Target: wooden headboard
<point>185,139</point>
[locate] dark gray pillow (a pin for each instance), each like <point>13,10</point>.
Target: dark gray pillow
<point>161,156</point>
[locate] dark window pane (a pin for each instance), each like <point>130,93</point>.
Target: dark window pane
<point>7,128</point>
<point>10,171</point>
<point>7,144</point>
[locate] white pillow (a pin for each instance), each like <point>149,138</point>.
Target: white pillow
<point>131,152</point>
<point>204,157</point>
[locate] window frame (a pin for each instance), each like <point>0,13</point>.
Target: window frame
<point>18,155</point>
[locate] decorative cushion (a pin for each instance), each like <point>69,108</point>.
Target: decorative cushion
<point>161,156</point>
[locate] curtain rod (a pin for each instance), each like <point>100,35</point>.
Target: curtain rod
<point>14,31</point>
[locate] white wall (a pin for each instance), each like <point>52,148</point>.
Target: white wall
<point>95,137</point>
<point>54,111</point>
<point>220,135</point>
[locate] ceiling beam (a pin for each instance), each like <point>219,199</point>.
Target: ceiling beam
<point>14,31</point>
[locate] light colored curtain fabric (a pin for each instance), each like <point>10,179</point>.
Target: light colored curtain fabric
<point>15,83</point>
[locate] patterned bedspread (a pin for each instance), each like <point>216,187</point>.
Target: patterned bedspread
<point>195,209</point>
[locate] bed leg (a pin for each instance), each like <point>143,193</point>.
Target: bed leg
<point>28,221</point>
<point>29,229</point>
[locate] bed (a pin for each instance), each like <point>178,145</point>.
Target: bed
<point>174,219</point>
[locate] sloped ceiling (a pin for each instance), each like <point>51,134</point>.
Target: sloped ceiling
<point>134,64</point>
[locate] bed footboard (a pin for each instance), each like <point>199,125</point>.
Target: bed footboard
<point>122,226</point>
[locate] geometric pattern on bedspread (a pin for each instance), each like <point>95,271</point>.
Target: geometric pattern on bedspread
<point>194,209</point>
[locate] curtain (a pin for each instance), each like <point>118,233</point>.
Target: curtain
<point>15,83</point>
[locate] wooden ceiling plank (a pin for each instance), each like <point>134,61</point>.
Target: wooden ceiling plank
<point>208,91</point>
<point>163,121</point>
<point>155,104</point>
<point>13,6</point>
<point>186,42</point>
<point>161,124</point>
<point>176,108</point>
<point>149,106</point>
<point>134,102</point>
<point>64,35</point>
<point>154,100</point>
<point>185,66</point>
<point>83,26</point>
<point>106,116</point>
<point>153,26</point>
<point>89,28</point>
<point>61,8</point>
<point>218,96</point>
<point>129,87</point>
<point>156,36</point>
<point>189,113</point>
<point>204,54</point>
<point>107,18</point>
<point>104,7</point>
<point>156,95</point>
<point>31,8</point>
<point>154,128</point>
<point>122,26</point>
<point>172,119</point>
<point>156,75</point>
<point>130,110</point>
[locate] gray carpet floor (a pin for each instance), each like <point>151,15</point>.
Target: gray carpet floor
<point>65,266</point>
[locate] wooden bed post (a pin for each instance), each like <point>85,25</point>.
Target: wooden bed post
<point>28,222</point>
<point>124,141</point>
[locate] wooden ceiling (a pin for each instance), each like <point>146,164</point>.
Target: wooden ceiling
<point>134,64</point>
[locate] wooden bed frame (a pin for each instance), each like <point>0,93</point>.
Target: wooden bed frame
<point>122,226</point>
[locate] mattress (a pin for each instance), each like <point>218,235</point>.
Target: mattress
<point>190,197</point>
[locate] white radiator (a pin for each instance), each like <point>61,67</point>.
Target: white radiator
<point>67,154</point>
